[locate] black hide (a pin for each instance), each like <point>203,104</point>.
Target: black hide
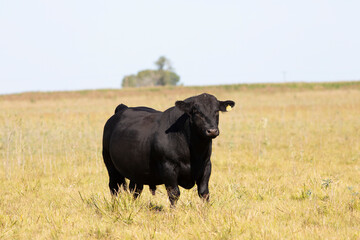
<point>173,147</point>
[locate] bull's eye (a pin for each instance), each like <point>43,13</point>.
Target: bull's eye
<point>196,111</point>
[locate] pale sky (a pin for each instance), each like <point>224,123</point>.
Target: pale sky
<point>86,44</point>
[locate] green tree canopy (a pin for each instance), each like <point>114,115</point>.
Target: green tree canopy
<point>165,75</point>
<point>163,62</point>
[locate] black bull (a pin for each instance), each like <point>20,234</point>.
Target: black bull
<point>171,147</point>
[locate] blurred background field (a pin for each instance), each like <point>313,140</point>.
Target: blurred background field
<point>286,165</point>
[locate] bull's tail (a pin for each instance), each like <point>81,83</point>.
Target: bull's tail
<point>120,108</point>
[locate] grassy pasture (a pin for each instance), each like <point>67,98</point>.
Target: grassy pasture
<point>285,166</point>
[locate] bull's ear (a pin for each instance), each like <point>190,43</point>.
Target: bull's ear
<point>226,106</point>
<point>184,106</point>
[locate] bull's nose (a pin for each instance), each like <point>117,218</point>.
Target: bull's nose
<point>212,132</point>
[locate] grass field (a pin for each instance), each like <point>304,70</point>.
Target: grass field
<point>285,166</point>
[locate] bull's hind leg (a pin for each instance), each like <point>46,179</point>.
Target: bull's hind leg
<point>173,193</point>
<point>135,189</point>
<point>115,178</point>
<point>152,189</point>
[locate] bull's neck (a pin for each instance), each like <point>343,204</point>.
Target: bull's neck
<point>180,123</point>
<point>199,145</point>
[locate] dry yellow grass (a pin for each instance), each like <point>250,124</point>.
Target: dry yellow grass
<point>286,165</point>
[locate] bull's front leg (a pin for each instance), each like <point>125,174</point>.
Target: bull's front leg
<point>203,182</point>
<point>170,175</point>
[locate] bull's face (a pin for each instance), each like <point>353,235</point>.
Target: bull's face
<point>203,111</point>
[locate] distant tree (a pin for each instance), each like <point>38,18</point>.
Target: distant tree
<point>170,78</point>
<point>148,78</point>
<point>165,75</point>
<point>129,81</point>
<point>162,62</point>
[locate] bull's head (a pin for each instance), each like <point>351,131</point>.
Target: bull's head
<point>203,111</point>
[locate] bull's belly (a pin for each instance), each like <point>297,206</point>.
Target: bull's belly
<point>186,183</point>
<point>134,164</point>
<point>147,179</point>
<point>137,170</point>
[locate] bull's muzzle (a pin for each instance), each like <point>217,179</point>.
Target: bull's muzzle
<point>212,132</point>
